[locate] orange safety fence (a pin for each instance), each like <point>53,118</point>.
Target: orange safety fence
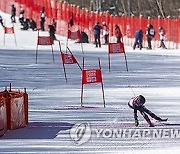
<point>3,116</point>
<point>13,110</point>
<point>85,20</point>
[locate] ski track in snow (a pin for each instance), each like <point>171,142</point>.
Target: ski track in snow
<point>54,105</point>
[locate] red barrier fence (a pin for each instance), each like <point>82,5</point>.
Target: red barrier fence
<point>3,116</point>
<point>85,20</point>
<point>13,110</point>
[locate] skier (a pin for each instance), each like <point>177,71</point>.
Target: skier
<point>118,33</point>
<point>137,103</point>
<point>162,36</point>
<point>105,32</point>
<point>138,39</point>
<point>97,31</point>
<point>150,33</point>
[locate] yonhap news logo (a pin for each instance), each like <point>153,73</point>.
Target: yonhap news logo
<point>81,133</point>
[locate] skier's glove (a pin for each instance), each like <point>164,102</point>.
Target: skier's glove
<point>136,123</point>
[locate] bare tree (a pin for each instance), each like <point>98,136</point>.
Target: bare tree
<point>151,8</point>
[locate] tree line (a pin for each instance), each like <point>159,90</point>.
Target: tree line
<point>152,8</point>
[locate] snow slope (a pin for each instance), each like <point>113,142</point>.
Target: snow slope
<point>54,105</point>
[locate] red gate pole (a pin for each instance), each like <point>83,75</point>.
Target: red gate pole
<point>73,55</point>
<point>109,62</point>
<point>82,85</point>
<point>37,48</point>
<point>102,84</point>
<point>52,52</point>
<point>126,61</point>
<point>62,61</point>
<point>4,37</point>
<point>109,57</point>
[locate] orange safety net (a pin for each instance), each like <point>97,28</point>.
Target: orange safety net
<point>85,20</point>
<point>3,116</point>
<point>16,103</point>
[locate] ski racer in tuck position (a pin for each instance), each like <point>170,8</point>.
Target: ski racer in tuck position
<point>137,104</point>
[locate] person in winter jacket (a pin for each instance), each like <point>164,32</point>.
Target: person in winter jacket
<point>54,23</point>
<point>150,33</point>
<point>118,33</point>
<point>162,36</point>
<point>52,31</point>
<point>13,14</point>
<point>21,16</point>
<point>137,104</point>
<point>1,21</point>
<point>138,39</point>
<point>97,32</point>
<point>32,24</point>
<point>25,25</point>
<point>42,19</point>
<point>105,32</point>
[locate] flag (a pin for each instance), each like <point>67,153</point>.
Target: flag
<point>116,48</point>
<point>74,35</point>
<point>68,59</point>
<point>91,76</point>
<point>44,40</point>
<point>9,30</point>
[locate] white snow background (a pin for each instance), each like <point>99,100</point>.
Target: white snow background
<point>54,105</point>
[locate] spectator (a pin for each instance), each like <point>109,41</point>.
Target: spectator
<point>42,21</point>
<point>52,31</point>
<point>71,21</point>
<point>21,16</point>
<point>162,36</point>
<point>138,39</point>
<point>13,14</point>
<point>1,21</point>
<point>97,31</point>
<point>25,25</point>
<point>54,23</point>
<point>118,33</point>
<point>32,24</point>
<point>150,33</point>
<point>105,32</point>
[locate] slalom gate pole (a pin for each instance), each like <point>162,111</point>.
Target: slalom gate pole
<point>4,32</point>
<point>102,85</point>
<point>130,87</point>
<point>76,60</point>
<point>82,48</point>
<point>82,86</point>
<point>62,61</point>
<point>109,62</point>
<point>52,53</point>
<point>126,61</point>
<point>14,35</point>
<point>4,37</point>
<point>37,48</point>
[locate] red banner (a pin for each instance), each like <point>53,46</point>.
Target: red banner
<point>9,30</point>
<point>91,76</point>
<point>74,35</point>
<point>44,40</point>
<point>116,48</point>
<point>68,59</point>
